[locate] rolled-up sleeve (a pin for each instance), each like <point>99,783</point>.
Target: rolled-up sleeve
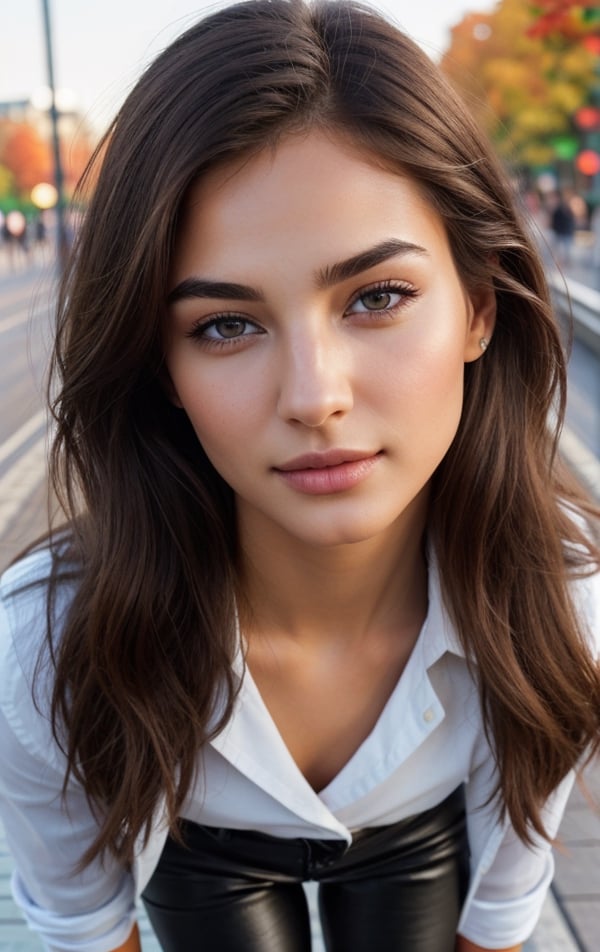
<point>510,879</point>
<point>88,911</point>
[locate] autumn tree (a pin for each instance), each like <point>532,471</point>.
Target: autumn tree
<point>75,153</point>
<point>571,20</point>
<point>524,88</point>
<point>26,155</point>
<point>7,182</point>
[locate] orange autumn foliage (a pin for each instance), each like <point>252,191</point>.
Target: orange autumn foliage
<point>26,155</point>
<point>524,87</point>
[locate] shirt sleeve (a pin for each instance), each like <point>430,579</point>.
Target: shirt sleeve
<point>89,911</point>
<point>510,879</point>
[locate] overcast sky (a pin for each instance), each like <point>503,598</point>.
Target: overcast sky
<point>101,47</point>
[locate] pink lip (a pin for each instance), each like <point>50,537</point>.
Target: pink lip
<point>323,460</point>
<point>331,472</point>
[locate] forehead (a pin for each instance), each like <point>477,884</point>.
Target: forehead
<point>312,188</point>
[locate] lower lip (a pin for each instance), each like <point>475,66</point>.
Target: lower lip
<point>330,479</point>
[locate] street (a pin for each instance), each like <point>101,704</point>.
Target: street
<point>25,302</point>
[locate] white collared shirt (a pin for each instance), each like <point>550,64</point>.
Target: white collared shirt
<point>428,740</point>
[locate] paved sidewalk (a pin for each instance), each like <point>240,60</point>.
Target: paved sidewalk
<point>577,878</point>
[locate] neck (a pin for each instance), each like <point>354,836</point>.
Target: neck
<point>312,593</point>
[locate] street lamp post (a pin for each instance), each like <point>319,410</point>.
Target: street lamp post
<point>61,231</point>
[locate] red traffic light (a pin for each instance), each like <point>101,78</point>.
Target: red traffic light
<point>588,162</point>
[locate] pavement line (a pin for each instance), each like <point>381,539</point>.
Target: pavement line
<point>20,436</point>
<point>24,295</point>
<point>8,323</point>
<point>552,932</point>
<point>21,481</point>
<point>21,318</point>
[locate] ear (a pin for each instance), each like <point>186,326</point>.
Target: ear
<point>481,305</point>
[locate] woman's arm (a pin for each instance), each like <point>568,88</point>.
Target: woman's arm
<point>47,833</point>
<point>133,943</point>
<point>463,945</point>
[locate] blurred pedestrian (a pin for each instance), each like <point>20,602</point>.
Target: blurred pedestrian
<point>40,235</point>
<point>562,223</point>
<point>326,605</point>
<point>3,231</point>
<point>15,231</point>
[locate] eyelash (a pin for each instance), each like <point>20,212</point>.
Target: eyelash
<point>407,292</point>
<point>198,331</point>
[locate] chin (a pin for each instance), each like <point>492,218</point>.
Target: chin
<point>350,533</point>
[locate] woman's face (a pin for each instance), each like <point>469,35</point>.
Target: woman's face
<point>316,337</point>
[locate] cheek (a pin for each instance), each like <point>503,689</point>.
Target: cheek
<point>221,410</point>
<point>425,372</point>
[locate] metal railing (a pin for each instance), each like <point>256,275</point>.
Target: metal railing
<point>573,298</point>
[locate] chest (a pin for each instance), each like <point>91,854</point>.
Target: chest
<point>326,702</point>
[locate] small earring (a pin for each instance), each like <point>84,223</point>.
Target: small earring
<point>483,343</point>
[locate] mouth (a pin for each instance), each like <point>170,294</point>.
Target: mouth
<point>322,474</point>
<point>326,460</point>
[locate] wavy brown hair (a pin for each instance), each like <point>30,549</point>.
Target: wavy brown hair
<point>143,662</point>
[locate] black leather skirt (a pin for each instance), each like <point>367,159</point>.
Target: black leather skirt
<point>397,888</point>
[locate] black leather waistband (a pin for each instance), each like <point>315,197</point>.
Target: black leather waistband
<point>399,886</point>
<point>415,841</point>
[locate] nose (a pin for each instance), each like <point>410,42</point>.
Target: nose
<point>315,379</point>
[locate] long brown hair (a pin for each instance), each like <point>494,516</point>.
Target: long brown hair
<point>143,661</point>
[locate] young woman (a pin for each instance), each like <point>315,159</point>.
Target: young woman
<point>325,606</point>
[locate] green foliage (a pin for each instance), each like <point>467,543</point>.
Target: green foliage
<point>7,182</point>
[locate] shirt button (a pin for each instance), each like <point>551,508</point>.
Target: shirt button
<point>428,715</point>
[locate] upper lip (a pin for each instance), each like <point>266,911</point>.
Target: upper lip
<point>323,460</point>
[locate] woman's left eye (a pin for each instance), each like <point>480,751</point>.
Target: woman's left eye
<point>380,298</point>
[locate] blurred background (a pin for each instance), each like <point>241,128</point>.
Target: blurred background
<point>528,69</point>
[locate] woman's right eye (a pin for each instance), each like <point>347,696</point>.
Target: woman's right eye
<point>225,328</point>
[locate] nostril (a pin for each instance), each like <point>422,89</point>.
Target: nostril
<point>313,399</point>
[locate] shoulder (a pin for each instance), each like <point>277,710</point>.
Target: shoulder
<point>23,600</point>
<point>26,671</point>
<point>25,586</point>
<point>25,575</point>
<point>26,605</point>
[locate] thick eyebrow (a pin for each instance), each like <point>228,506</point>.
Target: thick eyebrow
<point>325,277</point>
<point>351,267</point>
<point>221,290</point>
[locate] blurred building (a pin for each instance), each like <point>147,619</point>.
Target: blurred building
<point>35,112</point>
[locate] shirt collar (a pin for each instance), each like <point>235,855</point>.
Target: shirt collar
<point>251,742</point>
<point>438,635</point>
